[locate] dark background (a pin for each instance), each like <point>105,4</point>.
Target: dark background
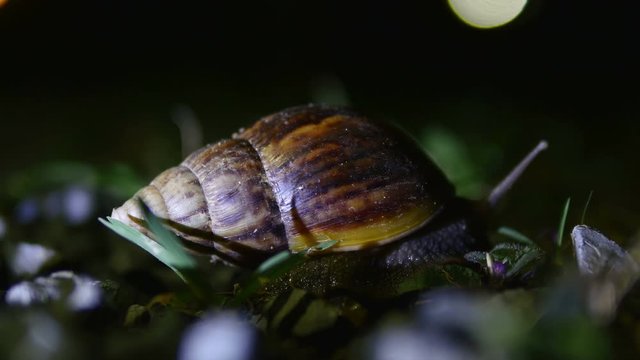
<point>97,82</point>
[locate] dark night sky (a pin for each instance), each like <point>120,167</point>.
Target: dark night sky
<point>96,81</point>
<point>54,46</point>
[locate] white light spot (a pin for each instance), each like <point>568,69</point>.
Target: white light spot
<point>86,293</point>
<point>25,293</point>
<point>487,13</point>
<point>78,204</point>
<point>219,336</point>
<point>29,258</point>
<point>400,344</point>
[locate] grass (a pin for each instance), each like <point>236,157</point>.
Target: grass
<point>515,235</point>
<point>563,221</point>
<point>168,249</point>
<point>536,318</point>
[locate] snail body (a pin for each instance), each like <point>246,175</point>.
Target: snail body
<point>306,175</point>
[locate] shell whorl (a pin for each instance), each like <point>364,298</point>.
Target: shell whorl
<point>297,178</point>
<point>218,192</point>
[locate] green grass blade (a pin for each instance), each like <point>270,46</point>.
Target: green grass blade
<point>274,262</point>
<point>563,221</point>
<point>586,205</point>
<point>141,240</point>
<point>324,245</point>
<point>515,235</point>
<point>178,256</point>
<point>167,250</point>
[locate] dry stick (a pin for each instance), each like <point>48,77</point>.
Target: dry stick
<point>501,189</point>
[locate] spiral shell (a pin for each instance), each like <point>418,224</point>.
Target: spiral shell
<point>295,179</point>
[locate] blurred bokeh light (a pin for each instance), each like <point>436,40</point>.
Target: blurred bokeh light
<point>487,13</point>
<point>219,336</point>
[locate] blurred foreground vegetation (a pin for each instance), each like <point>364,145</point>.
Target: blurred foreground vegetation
<point>70,287</point>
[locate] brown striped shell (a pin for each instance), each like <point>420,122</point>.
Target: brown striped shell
<point>294,179</point>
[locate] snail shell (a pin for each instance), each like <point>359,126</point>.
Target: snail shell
<point>293,180</point>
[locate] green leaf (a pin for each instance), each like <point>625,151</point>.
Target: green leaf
<point>508,251</point>
<point>324,245</point>
<point>277,262</point>
<point>143,241</point>
<point>179,257</point>
<point>515,235</point>
<point>531,256</point>
<point>477,257</point>
<point>563,221</point>
<point>169,251</point>
<point>519,257</point>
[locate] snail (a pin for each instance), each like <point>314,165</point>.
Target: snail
<point>311,174</point>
